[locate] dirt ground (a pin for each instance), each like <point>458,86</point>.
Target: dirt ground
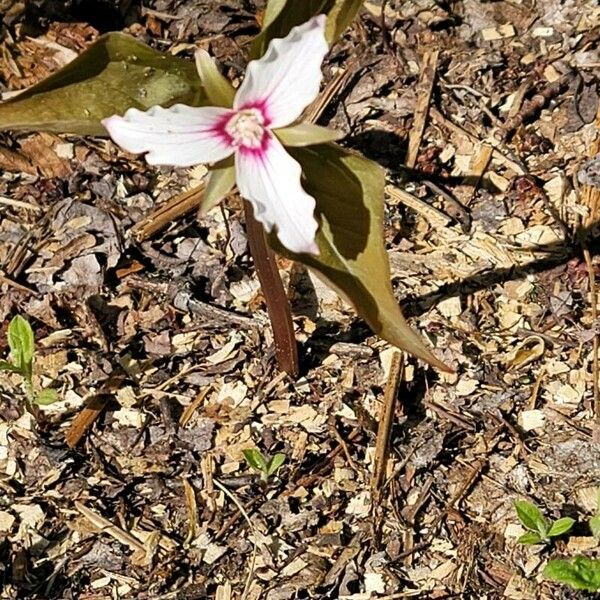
<point>134,484</point>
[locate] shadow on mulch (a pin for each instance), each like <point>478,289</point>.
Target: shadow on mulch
<point>562,254</point>
<point>103,15</point>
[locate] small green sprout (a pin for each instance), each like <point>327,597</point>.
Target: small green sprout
<point>22,352</point>
<point>266,468</point>
<point>595,520</point>
<point>540,530</point>
<point>580,572</point>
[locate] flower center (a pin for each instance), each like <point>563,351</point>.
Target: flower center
<point>246,128</point>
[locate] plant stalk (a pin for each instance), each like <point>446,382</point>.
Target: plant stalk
<point>278,305</point>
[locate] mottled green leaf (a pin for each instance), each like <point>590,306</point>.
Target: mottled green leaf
<point>306,134</point>
<point>115,73</point>
<point>531,517</point>
<point>255,459</point>
<point>580,572</point>
<point>561,526</point>
<point>595,520</point>
<point>530,538</point>
<point>47,396</point>
<point>6,366</point>
<point>595,526</point>
<point>22,344</point>
<point>282,15</point>
<point>275,464</point>
<point>349,191</point>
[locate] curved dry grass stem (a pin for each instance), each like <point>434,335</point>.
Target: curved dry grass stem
<point>242,510</point>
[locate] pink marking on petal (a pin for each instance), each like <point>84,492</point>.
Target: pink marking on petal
<point>260,152</point>
<point>220,128</point>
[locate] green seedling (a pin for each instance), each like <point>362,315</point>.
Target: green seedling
<point>21,342</point>
<point>266,468</point>
<point>595,520</point>
<point>580,572</point>
<point>539,529</point>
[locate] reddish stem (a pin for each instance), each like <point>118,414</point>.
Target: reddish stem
<point>278,305</point>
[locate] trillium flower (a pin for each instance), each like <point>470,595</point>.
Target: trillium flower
<point>252,125</point>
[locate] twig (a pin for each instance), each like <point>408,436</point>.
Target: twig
<point>84,420</point>
<point>104,525</point>
<point>435,217</point>
<point>458,496</point>
<point>385,34</point>
<point>386,420</point>
<point>590,197</point>
<point>173,209</point>
<point>278,305</point>
<point>496,153</point>
<point>4,280</point>
<point>594,305</point>
<point>19,204</point>
<point>425,85</point>
<point>530,108</point>
<point>536,389</point>
<point>242,510</point>
<point>331,90</point>
<point>479,167</point>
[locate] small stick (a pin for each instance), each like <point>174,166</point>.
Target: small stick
<point>479,167</point>
<point>4,280</point>
<point>95,405</point>
<point>591,199</point>
<point>594,301</point>
<point>458,496</point>
<point>19,204</point>
<point>242,510</point>
<point>384,431</point>
<point>84,420</point>
<point>425,85</point>
<point>496,153</point>
<point>106,526</point>
<point>278,305</point>
<point>173,209</point>
<point>331,90</point>
<point>434,216</point>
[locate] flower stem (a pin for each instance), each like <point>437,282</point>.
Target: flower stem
<point>278,305</point>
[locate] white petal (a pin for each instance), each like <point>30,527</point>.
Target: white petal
<point>270,179</point>
<point>181,136</point>
<point>286,79</point>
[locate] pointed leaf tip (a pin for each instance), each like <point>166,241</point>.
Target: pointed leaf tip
<point>352,258</point>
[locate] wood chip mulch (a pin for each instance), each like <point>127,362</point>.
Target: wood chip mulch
<point>485,116</point>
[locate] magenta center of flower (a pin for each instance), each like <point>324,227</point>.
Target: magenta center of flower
<point>246,128</point>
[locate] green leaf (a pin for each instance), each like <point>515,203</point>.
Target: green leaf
<point>6,366</point>
<point>115,73</point>
<point>221,180</point>
<point>530,538</point>
<point>306,134</point>
<point>275,464</point>
<point>47,396</point>
<point>218,88</point>
<point>595,520</point>
<point>22,344</point>
<point>348,190</point>
<point>255,459</point>
<point>595,526</point>
<point>531,517</point>
<point>282,15</point>
<point>580,572</point>
<point>561,526</point>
